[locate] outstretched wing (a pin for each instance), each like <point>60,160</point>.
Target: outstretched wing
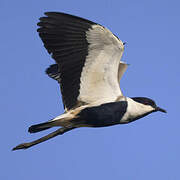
<point>87,55</point>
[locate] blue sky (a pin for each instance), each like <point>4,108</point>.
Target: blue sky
<point>146,149</point>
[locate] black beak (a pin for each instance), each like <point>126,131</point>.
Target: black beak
<point>124,43</point>
<point>160,109</point>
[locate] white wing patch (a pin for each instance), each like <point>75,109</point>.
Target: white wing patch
<point>99,75</point>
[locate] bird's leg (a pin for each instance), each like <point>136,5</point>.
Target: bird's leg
<point>60,131</point>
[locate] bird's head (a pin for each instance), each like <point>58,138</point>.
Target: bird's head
<point>149,102</point>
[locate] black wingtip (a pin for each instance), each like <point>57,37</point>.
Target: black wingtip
<point>53,72</point>
<point>61,14</point>
<point>51,12</point>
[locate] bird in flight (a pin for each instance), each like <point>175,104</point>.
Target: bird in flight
<point>88,69</point>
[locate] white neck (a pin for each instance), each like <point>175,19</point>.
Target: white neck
<point>135,109</point>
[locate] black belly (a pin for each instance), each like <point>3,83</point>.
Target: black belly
<point>104,115</point>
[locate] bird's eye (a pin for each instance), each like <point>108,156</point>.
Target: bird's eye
<point>124,43</point>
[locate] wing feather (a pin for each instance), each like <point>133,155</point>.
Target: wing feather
<point>121,70</point>
<point>87,55</point>
<point>99,76</point>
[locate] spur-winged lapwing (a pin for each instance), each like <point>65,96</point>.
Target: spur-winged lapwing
<point>88,68</point>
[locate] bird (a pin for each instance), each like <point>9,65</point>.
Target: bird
<point>88,69</point>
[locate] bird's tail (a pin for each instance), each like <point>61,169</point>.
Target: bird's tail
<point>40,127</point>
<point>64,120</point>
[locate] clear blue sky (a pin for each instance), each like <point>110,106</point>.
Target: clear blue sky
<point>144,150</point>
